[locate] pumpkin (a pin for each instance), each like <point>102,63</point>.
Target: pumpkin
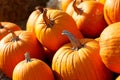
<point>14,45</point>
<point>110,47</point>
<point>65,3</point>
<point>112,11</point>
<point>70,7</point>
<point>102,1</point>
<point>89,18</point>
<point>49,26</point>
<point>32,19</point>
<point>32,69</point>
<point>79,60</point>
<point>5,26</point>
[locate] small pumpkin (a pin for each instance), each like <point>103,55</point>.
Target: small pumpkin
<point>5,26</point>
<point>79,60</point>
<point>14,45</point>
<point>32,69</point>
<point>110,47</point>
<point>112,11</point>
<point>89,18</point>
<point>49,26</point>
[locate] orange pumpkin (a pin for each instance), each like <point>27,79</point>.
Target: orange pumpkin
<point>70,7</point>
<point>32,69</point>
<point>14,45</point>
<point>49,26</point>
<point>89,18</point>
<point>79,60</point>
<point>112,11</point>
<point>110,47</point>
<point>5,26</point>
<point>32,19</point>
<point>102,1</point>
<point>65,3</point>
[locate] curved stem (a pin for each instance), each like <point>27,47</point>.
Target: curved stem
<point>14,36</point>
<point>79,11</point>
<point>48,22</point>
<point>27,57</point>
<point>74,41</point>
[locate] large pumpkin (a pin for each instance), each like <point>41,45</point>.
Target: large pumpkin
<point>49,26</point>
<point>89,18</point>
<point>110,47</point>
<point>32,69</point>
<point>14,45</point>
<point>6,26</point>
<point>112,11</point>
<point>79,60</point>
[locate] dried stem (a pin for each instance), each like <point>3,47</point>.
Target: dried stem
<point>74,41</point>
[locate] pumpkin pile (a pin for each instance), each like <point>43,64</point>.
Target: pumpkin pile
<point>80,41</point>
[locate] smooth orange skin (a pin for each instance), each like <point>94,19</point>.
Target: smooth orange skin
<point>34,70</point>
<point>13,52</point>
<point>7,26</point>
<point>112,11</point>
<point>91,22</point>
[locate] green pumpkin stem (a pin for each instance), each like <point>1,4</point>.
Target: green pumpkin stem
<point>79,11</point>
<point>47,21</point>
<point>14,36</point>
<point>27,57</point>
<point>74,41</point>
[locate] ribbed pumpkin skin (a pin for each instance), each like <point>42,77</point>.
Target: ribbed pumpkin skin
<point>51,37</point>
<point>83,64</point>
<point>112,11</point>
<point>34,70</point>
<point>13,52</point>
<point>5,26</point>
<point>91,21</point>
<point>110,47</point>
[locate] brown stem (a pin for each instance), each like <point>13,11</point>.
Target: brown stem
<point>47,21</point>
<point>27,57</point>
<point>39,8</point>
<point>79,11</point>
<point>74,41</point>
<point>14,36</point>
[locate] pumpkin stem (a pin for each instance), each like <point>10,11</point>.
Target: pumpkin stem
<point>74,41</point>
<point>27,57</point>
<point>14,36</point>
<point>39,8</point>
<point>79,11</point>
<point>48,21</point>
